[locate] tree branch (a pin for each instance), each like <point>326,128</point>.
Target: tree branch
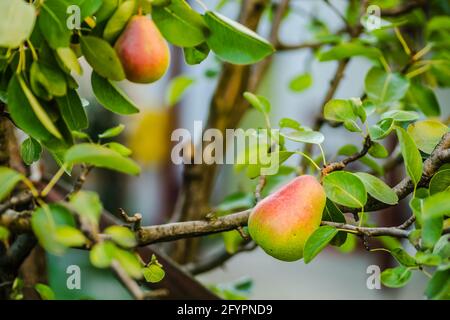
<point>175,231</point>
<point>339,165</point>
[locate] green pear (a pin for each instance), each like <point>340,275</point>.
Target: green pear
<point>143,51</point>
<point>282,222</point>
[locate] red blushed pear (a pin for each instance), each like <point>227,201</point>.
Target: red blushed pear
<point>282,222</point>
<point>143,51</point>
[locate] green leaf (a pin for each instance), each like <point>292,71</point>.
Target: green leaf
<point>179,24</point>
<point>381,129</point>
<point>317,241</point>
<point>45,221</point>
<point>102,58</point>
<point>9,178</point>
<point>442,247</point>
<point>102,254</point>
<point>439,286</point>
<point>332,213</point>
<point>236,201</point>
<point>428,259</point>
<point>111,96</point>
<point>378,189</point>
<point>234,43</point>
<point>437,205</point>
<point>45,292</point>
<point>119,148</point>
<point>4,233</point>
<point>112,132</point>
<point>424,99</point>
<point>377,150</point>
<point>70,236</point>
<point>69,59</point>
<point>301,83</point>
<point>153,273</point>
<point>88,205</point>
<point>38,110</point>
<point>260,103</point>
<point>306,136</point>
<point>345,188</point>
<point>47,82</point>
<point>16,25</point>
<point>124,237</point>
<point>30,151</point>
<point>411,155</point>
<point>232,241</point>
<point>52,23</point>
<point>396,277</point>
<point>348,50</point>
<point>383,87</point>
<point>290,123</point>
<point>118,21</point>
<point>403,257</point>
<point>106,10</point>
<point>88,7</point>
<point>431,231</point>
<point>195,55</point>
<point>400,115</point>
<point>440,181</point>
<point>427,134</point>
<point>129,262</point>
<point>339,110</point>
<point>352,126</point>
<point>99,156</point>
<point>177,87</point>
<point>72,111</point>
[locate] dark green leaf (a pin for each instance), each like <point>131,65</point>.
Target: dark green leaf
<point>179,24</point>
<point>317,241</point>
<point>102,58</point>
<point>424,99</point>
<point>30,151</point>
<point>383,87</point>
<point>72,111</point>
<point>195,55</point>
<point>52,23</point>
<point>111,96</point>
<point>345,188</point>
<point>234,43</point>
<point>411,155</point>
<point>440,181</point>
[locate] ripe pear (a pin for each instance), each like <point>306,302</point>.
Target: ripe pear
<point>282,222</point>
<point>143,51</point>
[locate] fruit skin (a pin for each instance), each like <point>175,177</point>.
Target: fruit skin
<point>143,51</point>
<point>282,222</point>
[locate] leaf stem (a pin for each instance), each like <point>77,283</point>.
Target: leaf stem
<point>53,181</point>
<point>309,159</point>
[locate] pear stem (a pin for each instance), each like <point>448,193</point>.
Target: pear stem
<point>139,11</point>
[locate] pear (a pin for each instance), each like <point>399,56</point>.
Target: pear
<point>282,222</point>
<point>143,51</point>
